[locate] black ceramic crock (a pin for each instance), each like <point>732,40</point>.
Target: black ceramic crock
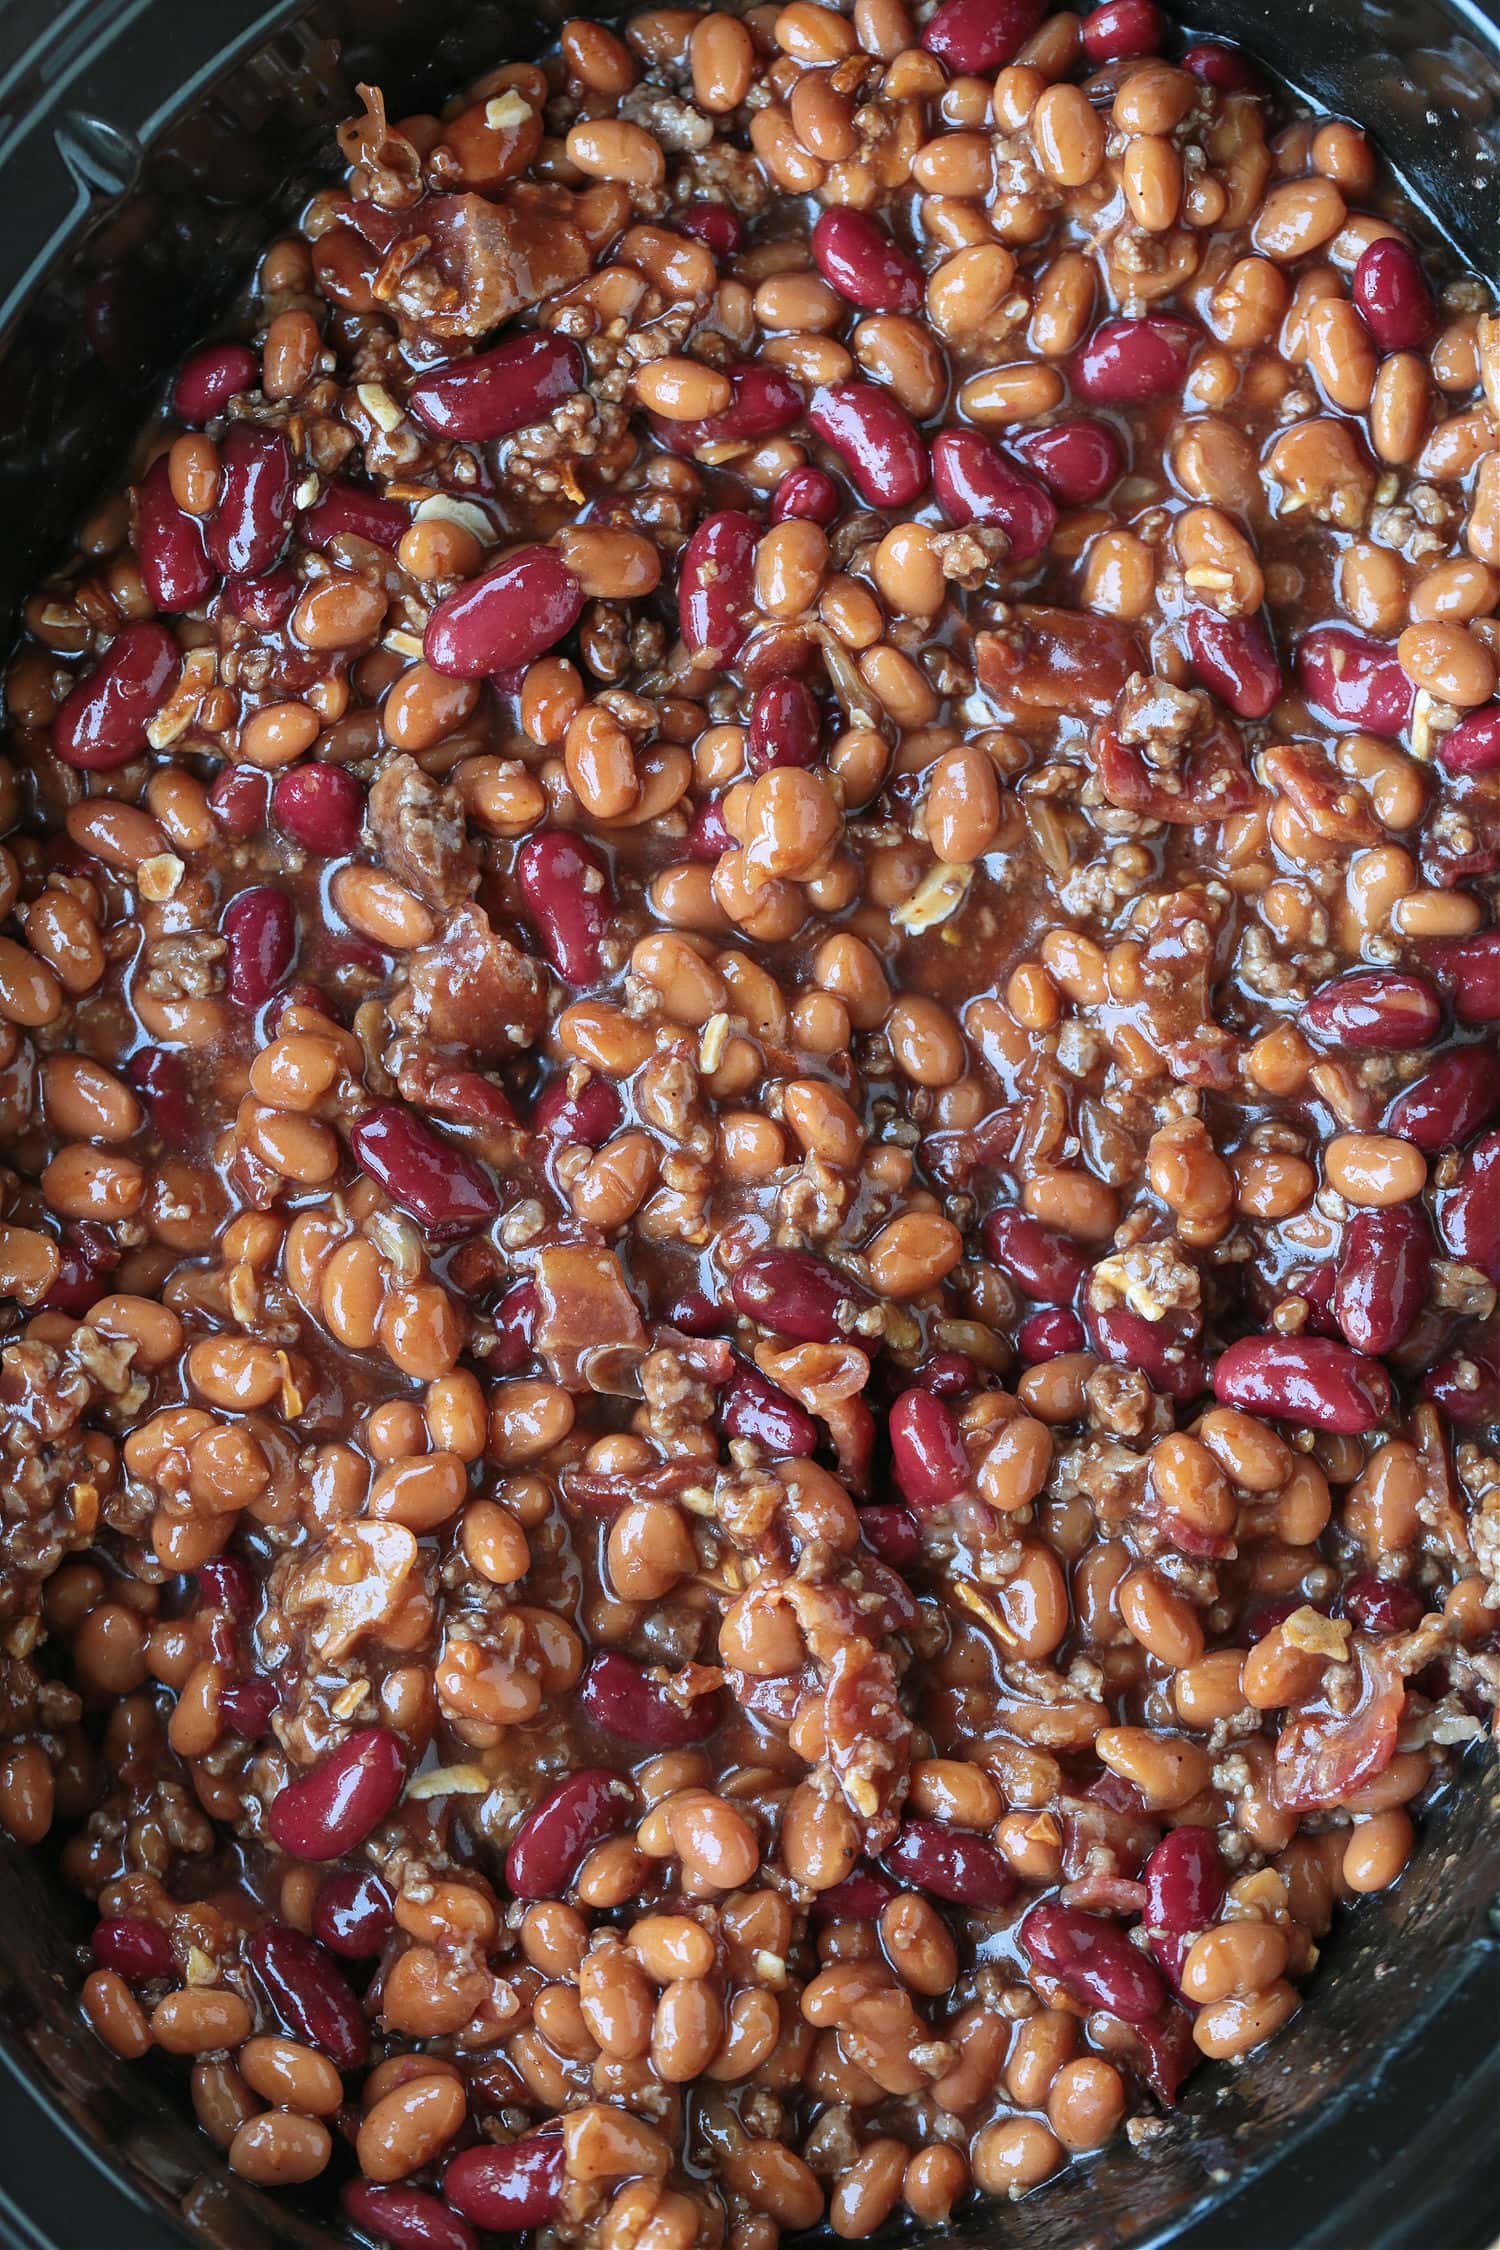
<point>147,148</point>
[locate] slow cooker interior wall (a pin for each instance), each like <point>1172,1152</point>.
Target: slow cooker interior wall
<point>76,372</point>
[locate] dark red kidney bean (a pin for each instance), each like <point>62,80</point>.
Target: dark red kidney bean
<point>621,1698</point>
<point>342,510</point>
<point>515,1322</point>
<point>248,529</point>
<point>175,568</point>
<point>1391,291</point>
<point>1308,1380</point>
<point>1468,969</point>
<point>570,899</point>
<point>696,1314</point>
<point>715,585</point>
<point>1122,31</point>
<point>753,1407</point>
<point>1377,1011</point>
<point>1465,1387</point>
<point>553,1840</point>
<point>1382,1605</point>
<point>975,483</point>
<point>161,1080</point>
<point>972,36</point>
<point>1385,1260</point>
<point>949,1375</point>
<point>103,722</point>
<point>354,1914</point>
<point>501,390</point>
<point>1048,1333</point>
<point>224,1583</point>
<point>319,808</point>
<point>1359,681</point>
<point>1468,1212</point>
<point>264,602</point>
<point>1126,362</point>
<point>860,1897</point>
<point>326,1812</point>
<point>1094,1961</point>
<point>715,224</point>
<point>260,929</point>
<point>710,837</point>
<point>1234,659</point>
<point>1163,1350</point>
<point>431,1179</point>
<point>949,1864</point>
<point>876,440</point>
<point>240,801</point>
<point>513,612</point>
<point>248,1706</point>
<point>893,1535</point>
<point>86,1259</point>
<point>927,1452</point>
<point>765,402</point>
<point>785,729</point>
<point>505,2190</point>
<point>1221,67</point>
<point>307,1989</point>
<point>589,1116</point>
<point>1041,1262</point>
<point>797,1295</point>
<point>405,2217</point>
<point>1450,1102</point>
<point>1077,460</point>
<point>1473,746</point>
<point>1185,1882</point>
<point>135,1950</point>
<point>810,493</point>
<point>1165,2053</point>
<point>858,258</point>
<point>210,378</point>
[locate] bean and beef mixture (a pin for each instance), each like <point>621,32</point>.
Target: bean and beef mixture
<point>751,1176</point>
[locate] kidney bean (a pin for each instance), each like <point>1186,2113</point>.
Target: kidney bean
<point>714,585</point>
<point>1391,292</point>
<point>1185,1882</point>
<point>260,928</point>
<point>513,612</point>
<point>1468,969</point>
<point>860,1897</point>
<point>343,509</point>
<point>716,224</point>
<point>264,603</point>
<point>927,1452</point>
<point>1346,677</point>
<point>1469,1211</point>
<point>875,439</point>
<point>505,2190</point>
<point>950,1375</point>
<point>1126,362</point>
<point>589,1116</point>
<point>1122,31</point>
<point>556,1836</point>
<point>1385,1260</point>
<point>405,2217</point>
<point>621,1698</point>
<point>972,36</point>
<point>1382,1605</point>
<point>515,1322</point>
<point>103,721</point>
<point>1041,1262</point>
<point>86,1258</point>
<point>1077,460</point>
<point>247,1706</point>
<point>161,1080</point>
<point>135,1950</point>
<point>859,259</point>
<point>210,378</point>
<point>1163,1350</point>
<point>752,1407</point>
<point>1374,1011</point>
<point>441,1187</point>
<point>248,529</point>
<point>1234,659</point>
<point>975,483</point>
<point>1048,1334</point>
<point>169,546</point>
<point>784,726</point>
<point>949,1864</point>
<point>307,1989</point>
<point>696,1314</point>
<point>326,1812</point>
<point>810,493</point>
<point>1450,1102</point>
<point>319,808</point>
<point>797,1295</point>
<point>765,402</point>
<point>498,391</point>
<point>1311,1381</point>
<point>1465,1387</point>
<point>893,1535</point>
<point>709,838</point>
<point>354,1914</point>
<point>1473,746</point>
<point>240,801</point>
<point>1094,1961</point>
<point>1222,67</point>
<point>568,894</point>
